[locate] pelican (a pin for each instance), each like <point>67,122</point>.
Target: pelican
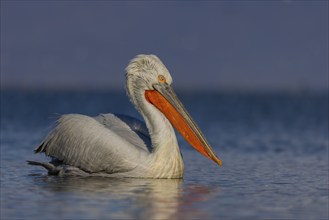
<point>121,146</point>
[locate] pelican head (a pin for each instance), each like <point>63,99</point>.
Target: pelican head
<point>148,84</point>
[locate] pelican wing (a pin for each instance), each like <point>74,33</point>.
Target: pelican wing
<point>129,128</point>
<point>101,144</point>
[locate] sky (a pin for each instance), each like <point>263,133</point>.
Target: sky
<point>212,45</point>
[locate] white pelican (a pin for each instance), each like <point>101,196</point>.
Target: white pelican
<point>121,146</point>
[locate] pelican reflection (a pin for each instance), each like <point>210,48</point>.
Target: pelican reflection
<point>127,198</point>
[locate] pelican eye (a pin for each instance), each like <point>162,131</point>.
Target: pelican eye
<point>161,79</point>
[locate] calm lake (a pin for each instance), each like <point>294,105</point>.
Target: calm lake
<point>274,148</point>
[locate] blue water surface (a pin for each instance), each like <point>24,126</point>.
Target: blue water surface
<point>274,148</point>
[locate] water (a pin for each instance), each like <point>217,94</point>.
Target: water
<point>274,149</point>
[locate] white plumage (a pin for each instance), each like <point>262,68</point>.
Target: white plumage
<point>121,146</point>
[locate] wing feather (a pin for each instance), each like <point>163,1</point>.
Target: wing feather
<point>84,142</point>
<point>129,128</point>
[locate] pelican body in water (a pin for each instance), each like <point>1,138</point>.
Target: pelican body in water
<point>121,146</point>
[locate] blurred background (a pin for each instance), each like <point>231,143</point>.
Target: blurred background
<point>253,75</point>
<point>206,45</point>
